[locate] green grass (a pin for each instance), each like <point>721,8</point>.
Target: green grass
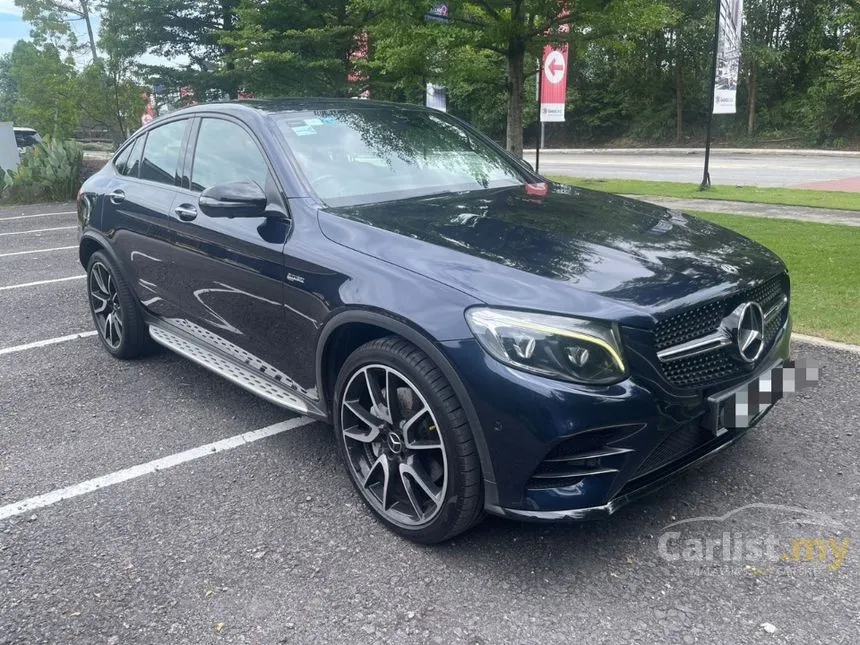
<point>824,261</point>
<point>780,196</point>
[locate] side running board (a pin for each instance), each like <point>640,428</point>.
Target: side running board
<point>234,371</point>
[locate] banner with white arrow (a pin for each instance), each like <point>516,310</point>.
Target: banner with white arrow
<point>553,92</point>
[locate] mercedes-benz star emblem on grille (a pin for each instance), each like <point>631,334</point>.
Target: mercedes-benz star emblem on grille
<point>728,268</point>
<point>749,333</point>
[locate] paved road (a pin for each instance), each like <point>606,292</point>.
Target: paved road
<point>267,543</point>
<point>726,169</point>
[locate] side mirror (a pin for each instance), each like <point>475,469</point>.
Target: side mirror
<point>234,199</point>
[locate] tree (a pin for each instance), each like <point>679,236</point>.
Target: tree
<point>295,47</point>
<point>690,45</point>
<point>45,90</point>
<point>119,104</point>
<point>52,18</point>
<point>832,101</point>
<point>766,28</point>
<point>513,30</point>
<point>8,89</point>
<point>175,29</point>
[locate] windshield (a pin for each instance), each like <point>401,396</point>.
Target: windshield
<point>374,154</point>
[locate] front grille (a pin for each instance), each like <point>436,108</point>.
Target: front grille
<point>688,325</point>
<point>714,367</point>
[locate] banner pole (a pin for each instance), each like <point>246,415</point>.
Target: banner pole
<point>540,119</point>
<point>706,179</point>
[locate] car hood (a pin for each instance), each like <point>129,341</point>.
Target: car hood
<point>556,248</point>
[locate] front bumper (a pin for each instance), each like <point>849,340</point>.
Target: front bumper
<point>625,440</point>
<point>637,490</point>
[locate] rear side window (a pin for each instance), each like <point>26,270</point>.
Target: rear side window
<point>128,162</point>
<point>226,152</point>
<point>161,153</point>
<point>121,161</point>
<point>133,166</point>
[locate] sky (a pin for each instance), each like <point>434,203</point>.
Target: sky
<point>13,29</point>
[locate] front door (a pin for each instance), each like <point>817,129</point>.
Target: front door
<point>229,273</point>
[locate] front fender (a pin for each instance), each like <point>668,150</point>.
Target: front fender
<point>425,344</point>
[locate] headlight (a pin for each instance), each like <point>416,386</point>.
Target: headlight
<point>583,351</point>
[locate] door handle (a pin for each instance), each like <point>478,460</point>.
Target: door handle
<point>117,196</point>
<point>186,213</point>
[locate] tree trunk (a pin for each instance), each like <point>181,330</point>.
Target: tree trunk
<point>751,105</point>
<point>516,99</point>
<point>679,101</point>
<point>227,25</point>
<point>85,10</point>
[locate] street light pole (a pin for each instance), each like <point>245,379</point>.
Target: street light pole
<point>706,179</point>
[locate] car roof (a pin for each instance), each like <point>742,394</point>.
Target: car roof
<point>24,130</point>
<point>270,106</point>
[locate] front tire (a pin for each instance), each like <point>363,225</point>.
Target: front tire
<point>406,442</point>
<point>114,310</point>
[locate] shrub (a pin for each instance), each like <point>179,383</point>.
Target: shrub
<point>49,171</point>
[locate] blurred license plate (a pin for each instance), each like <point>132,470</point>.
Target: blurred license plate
<point>743,406</point>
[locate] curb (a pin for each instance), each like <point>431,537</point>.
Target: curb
<point>700,151</point>
<point>823,342</point>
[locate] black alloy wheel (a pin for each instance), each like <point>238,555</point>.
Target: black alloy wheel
<point>105,305</point>
<point>115,311</point>
<point>406,443</point>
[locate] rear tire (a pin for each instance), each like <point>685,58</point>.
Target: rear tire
<point>115,310</point>
<point>406,443</point>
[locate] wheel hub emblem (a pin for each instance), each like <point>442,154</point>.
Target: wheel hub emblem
<point>395,443</point>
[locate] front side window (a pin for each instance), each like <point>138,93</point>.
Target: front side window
<point>161,153</point>
<point>362,155</point>
<point>225,152</point>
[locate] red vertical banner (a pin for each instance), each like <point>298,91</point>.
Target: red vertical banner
<point>355,78</point>
<point>553,93</point>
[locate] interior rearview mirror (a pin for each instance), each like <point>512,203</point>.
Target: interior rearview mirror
<point>234,199</point>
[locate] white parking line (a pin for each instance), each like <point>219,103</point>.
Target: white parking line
<point>45,343</point>
<point>40,230</point>
<point>38,282</point>
<point>8,219</point>
<point>58,248</point>
<point>91,485</point>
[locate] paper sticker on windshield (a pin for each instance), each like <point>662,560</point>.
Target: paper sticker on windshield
<point>313,122</point>
<point>304,130</point>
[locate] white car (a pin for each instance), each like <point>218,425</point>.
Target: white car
<point>26,138</point>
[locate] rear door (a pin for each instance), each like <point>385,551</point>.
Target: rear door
<point>229,273</point>
<point>137,211</point>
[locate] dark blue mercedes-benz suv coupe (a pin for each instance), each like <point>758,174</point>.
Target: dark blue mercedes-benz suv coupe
<point>480,339</point>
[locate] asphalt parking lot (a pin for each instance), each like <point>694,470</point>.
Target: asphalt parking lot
<point>262,540</point>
